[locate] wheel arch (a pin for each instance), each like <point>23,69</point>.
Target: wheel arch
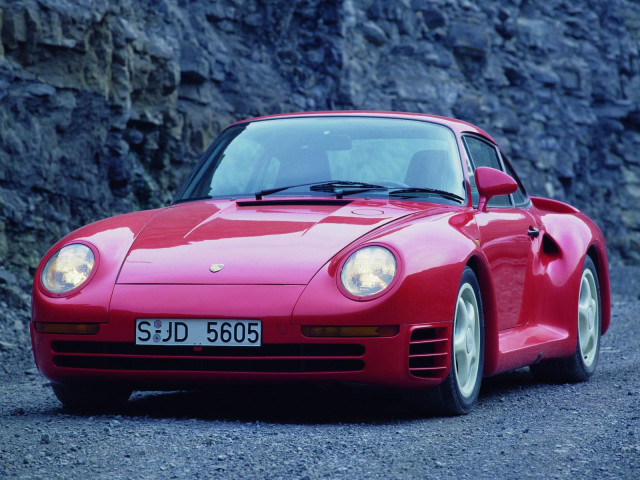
<point>599,258</point>
<point>480,267</point>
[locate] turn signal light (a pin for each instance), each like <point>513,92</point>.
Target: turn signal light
<point>69,328</point>
<point>376,331</point>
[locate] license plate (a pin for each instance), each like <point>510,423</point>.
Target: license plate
<point>225,333</point>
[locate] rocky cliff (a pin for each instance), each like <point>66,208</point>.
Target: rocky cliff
<point>105,105</point>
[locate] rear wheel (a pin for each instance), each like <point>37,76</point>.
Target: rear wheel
<point>458,393</point>
<point>581,365</point>
<point>89,398</point>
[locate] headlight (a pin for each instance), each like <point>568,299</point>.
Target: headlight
<point>68,268</point>
<point>368,271</point>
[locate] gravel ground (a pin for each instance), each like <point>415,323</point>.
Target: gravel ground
<point>520,429</point>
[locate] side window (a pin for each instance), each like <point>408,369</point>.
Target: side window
<point>484,154</point>
<point>519,196</point>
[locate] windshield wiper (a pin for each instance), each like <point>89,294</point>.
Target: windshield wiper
<point>448,195</point>
<point>335,186</point>
<point>342,193</point>
<point>271,191</point>
<point>345,187</point>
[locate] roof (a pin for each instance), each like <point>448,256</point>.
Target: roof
<point>459,126</point>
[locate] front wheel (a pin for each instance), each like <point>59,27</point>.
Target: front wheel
<point>458,393</point>
<point>581,365</point>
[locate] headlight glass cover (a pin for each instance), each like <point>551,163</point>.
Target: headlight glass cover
<point>68,268</point>
<point>368,271</point>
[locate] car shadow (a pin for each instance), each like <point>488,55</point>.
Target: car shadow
<point>294,403</point>
<point>288,403</point>
<point>505,383</point>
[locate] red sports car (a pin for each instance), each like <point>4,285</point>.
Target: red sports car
<point>389,249</point>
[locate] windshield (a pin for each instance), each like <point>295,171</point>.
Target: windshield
<point>289,155</point>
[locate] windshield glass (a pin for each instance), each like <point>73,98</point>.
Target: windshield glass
<point>296,152</point>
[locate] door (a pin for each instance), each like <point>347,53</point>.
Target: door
<point>509,249</point>
<point>508,236</point>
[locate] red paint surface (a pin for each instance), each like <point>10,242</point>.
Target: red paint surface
<point>281,266</point>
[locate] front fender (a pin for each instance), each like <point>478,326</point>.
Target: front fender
<point>432,253</point>
<point>112,239</point>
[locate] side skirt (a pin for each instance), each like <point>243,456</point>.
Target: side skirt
<point>522,346</point>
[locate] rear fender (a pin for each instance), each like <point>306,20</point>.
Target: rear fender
<point>572,237</point>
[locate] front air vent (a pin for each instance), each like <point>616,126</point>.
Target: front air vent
<point>268,358</point>
<point>428,352</point>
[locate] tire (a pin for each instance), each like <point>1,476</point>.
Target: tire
<point>91,398</point>
<point>581,365</point>
<point>458,393</point>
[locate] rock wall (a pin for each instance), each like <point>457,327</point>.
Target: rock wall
<point>105,105</point>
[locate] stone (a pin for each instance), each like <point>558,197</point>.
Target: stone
<point>7,277</point>
<point>545,76</point>
<point>104,110</point>
<point>14,28</point>
<point>469,39</point>
<point>609,125</point>
<point>374,34</point>
<point>433,18</point>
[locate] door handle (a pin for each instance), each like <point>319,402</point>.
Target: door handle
<point>533,232</point>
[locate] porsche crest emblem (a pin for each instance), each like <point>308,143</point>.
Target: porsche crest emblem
<point>216,267</point>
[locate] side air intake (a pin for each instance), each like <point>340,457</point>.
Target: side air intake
<point>428,356</point>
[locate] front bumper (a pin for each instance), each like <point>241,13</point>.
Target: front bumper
<point>418,356</point>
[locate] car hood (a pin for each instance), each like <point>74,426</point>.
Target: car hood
<point>256,242</point>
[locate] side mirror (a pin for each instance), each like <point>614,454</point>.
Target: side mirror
<point>492,183</point>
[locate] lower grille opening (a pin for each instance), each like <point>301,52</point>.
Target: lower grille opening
<point>209,365</point>
<point>267,350</point>
<point>273,358</point>
<point>428,356</point>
